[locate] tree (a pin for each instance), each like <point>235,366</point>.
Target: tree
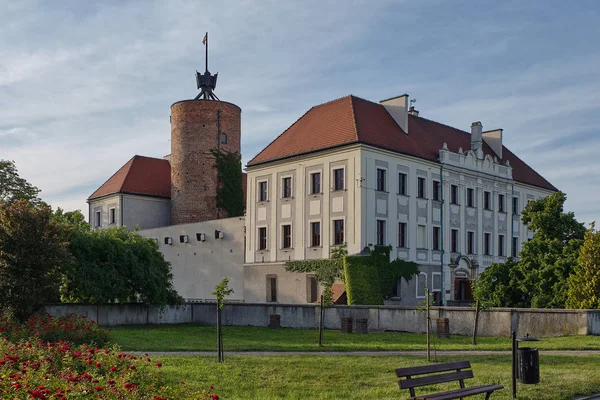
<point>547,260</point>
<point>584,282</point>
<point>13,187</point>
<point>497,286</point>
<point>31,245</point>
<point>115,265</point>
<point>221,291</point>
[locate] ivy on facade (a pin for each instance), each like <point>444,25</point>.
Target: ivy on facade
<point>326,271</point>
<point>230,196</point>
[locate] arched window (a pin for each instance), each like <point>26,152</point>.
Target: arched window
<point>223,138</point>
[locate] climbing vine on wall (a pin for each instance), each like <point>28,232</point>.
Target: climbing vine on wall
<point>326,271</point>
<point>230,196</point>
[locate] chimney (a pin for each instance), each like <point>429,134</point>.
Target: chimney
<point>476,129</point>
<point>397,107</point>
<point>413,111</point>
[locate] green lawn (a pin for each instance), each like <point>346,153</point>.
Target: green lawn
<point>203,338</point>
<point>353,377</point>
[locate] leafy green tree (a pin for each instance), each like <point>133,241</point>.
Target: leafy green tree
<point>548,259</point>
<point>31,245</point>
<point>497,286</point>
<point>13,187</point>
<point>72,220</point>
<point>584,282</point>
<point>115,265</point>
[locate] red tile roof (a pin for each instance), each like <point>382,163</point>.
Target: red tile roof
<point>146,176</point>
<point>354,120</point>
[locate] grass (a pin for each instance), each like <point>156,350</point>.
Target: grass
<point>203,338</point>
<point>353,377</point>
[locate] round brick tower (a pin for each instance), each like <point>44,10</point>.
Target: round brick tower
<point>197,127</point>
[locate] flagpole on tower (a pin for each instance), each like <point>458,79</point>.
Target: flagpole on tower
<point>206,45</point>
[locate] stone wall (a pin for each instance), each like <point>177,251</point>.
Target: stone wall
<point>494,322</point>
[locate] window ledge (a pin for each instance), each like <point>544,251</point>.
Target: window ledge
<point>402,248</point>
<point>287,198</point>
<point>338,190</point>
<point>286,249</point>
<point>315,247</point>
<point>260,202</point>
<point>403,194</point>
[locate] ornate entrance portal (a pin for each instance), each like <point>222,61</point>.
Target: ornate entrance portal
<point>462,279</point>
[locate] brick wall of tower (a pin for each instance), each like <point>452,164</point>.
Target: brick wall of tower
<point>194,133</point>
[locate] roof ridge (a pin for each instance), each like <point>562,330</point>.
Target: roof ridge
<point>289,127</point>
<point>119,170</point>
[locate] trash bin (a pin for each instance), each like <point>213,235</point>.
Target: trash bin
<point>443,328</point>
<point>362,325</point>
<point>274,321</point>
<point>346,325</point>
<point>528,365</point>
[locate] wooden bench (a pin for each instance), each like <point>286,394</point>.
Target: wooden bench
<point>410,379</point>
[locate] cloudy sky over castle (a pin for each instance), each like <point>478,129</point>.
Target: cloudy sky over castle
<point>85,87</point>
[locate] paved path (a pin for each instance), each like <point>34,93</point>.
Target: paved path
<point>359,353</point>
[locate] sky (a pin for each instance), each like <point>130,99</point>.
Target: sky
<point>84,86</point>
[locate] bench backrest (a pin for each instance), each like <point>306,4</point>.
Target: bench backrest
<point>410,379</point>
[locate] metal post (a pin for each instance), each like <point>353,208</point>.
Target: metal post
<point>206,51</point>
<point>321,323</point>
<point>218,332</point>
<point>514,364</point>
<point>476,322</point>
<point>427,325</point>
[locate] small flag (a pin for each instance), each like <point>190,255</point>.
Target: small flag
<point>205,39</point>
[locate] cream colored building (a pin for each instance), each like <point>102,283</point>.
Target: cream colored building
<point>357,172</point>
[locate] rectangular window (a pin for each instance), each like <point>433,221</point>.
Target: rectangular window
<point>286,184</point>
<point>315,183</point>
<point>421,285</point>
<point>436,191</point>
<point>315,234</point>
<point>380,232</point>
<point>271,288</point>
<point>262,191</point>
<point>501,251</point>
<point>262,238</point>
<point>401,183</point>
<point>453,194</point>
<point>421,238</point>
<point>338,179</point>
<point>287,236</point>
<point>380,180</point>
<point>487,245</point>
<point>421,188</point>
<point>97,219</point>
<point>470,197</point>
<point>338,231</point>
<point>470,243</point>
<point>454,240</point>
<point>486,201</point>
<point>515,247</point>
<point>311,289</point>
<point>112,216</point>
<point>515,205</point>
<point>501,203</point>
<point>402,234</point>
<point>436,281</point>
<point>436,238</point>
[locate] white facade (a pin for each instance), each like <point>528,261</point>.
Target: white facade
<point>201,258</point>
<point>129,210</point>
<point>364,208</point>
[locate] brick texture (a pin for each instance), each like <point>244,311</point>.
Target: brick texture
<point>194,133</point>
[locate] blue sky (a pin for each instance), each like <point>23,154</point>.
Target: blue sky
<point>85,87</point>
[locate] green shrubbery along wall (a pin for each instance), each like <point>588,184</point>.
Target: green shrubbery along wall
<point>230,195</point>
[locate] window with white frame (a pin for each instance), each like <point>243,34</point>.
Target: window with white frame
<point>262,238</point>
<point>501,203</point>
<point>380,232</point>
<point>286,186</point>
<point>402,182</point>
<point>97,218</point>
<point>262,191</point>
<point>381,184</point>
<point>338,231</point>
<point>470,197</point>
<point>470,242</point>
<point>515,205</point>
<point>338,179</point>
<point>421,284</point>
<point>286,233</point>
<point>402,234</point>
<point>436,282</point>
<point>315,183</point>
<point>435,193</point>
<point>436,238</point>
<point>112,215</point>
<point>421,188</point>
<point>421,238</point>
<point>487,244</point>
<point>315,234</point>
<point>501,249</point>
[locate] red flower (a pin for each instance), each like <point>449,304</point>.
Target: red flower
<point>132,367</point>
<point>215,396</point>
<point>158,364</point>
<point>98,388</point>
<point>113,369</point>
<point>98,365</point>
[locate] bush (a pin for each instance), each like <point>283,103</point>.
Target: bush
<point>42,370</point>
<point>362,281</point>
<point>70,328</point>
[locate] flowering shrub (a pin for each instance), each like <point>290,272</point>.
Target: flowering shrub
<point>44,370</point>
<point>70,328</point>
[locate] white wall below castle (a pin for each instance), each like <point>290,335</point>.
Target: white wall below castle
<point>199,266</point>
